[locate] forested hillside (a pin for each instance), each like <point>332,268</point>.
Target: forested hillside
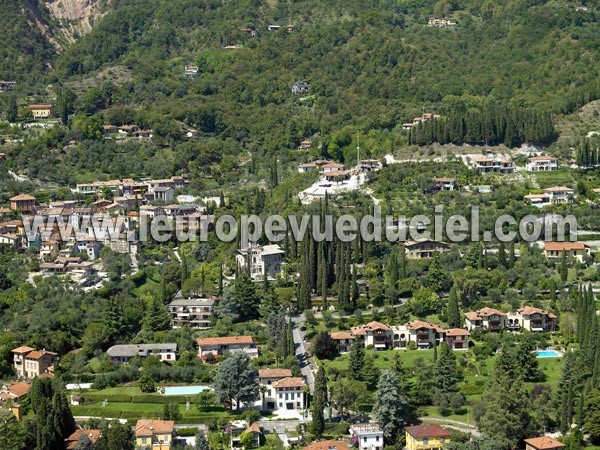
<point>24,49</point>
<point>371,66</point>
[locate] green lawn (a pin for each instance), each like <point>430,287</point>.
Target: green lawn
<point>555,178</point>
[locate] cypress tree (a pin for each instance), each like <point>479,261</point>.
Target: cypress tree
<point>563,271</point>
<point>356,360</point>
<point>454,318</point>
<point>319,402</point>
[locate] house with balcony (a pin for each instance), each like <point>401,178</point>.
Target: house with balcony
<point>266,379</point>
<point>41,110</point>
<point>23,203</point>
<point>154,434</point>
<point>260,260</point>
<point>539,200</point>
<point>210,348</point>
<point>489,319</point>
<point>532,319</point>
<point>307,167</point>
<point>290,393</point>
<point>30,363</point>
<point>542,164</point>
<point>424,248</point>
<point>124,353</point>
<point>374,334</point>
<point>343,340</point>
<point>368,436</point>
<point>457,338</point>
<point>560,194</point>
<point>494,165</point>
<point>444,183</point>
<point>196,312</point>
<point>577,250</point>
<point>423,334</point>
<point>426,437</point>
<point>237,428</point>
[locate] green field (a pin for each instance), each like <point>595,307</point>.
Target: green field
<point>128,402</point>
<point>556,178</point>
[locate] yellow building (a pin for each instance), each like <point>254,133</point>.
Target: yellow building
<point>154,434</point>
<point>426,437</point>
<point>41,111</point>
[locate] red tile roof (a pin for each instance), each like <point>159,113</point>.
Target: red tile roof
<point>566,246</point>
<point>544,443</point>
<point>427,430</point>
<point>327,445</point>
<point>22,349</point>
<point>147,427</point>
<point>226,340</point>
<point>274,373</point>
<point>339,335</point>
<point>92,435</point>
<point>457,332</point>
<point>289,382</point>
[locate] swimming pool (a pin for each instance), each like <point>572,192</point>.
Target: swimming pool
<point>548,354</point>
<point>184,390</point>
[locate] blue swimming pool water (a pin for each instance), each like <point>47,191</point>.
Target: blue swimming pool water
<point>184,390</point>
<point>548,354</point>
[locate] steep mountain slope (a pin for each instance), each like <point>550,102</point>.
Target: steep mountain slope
<point>25,41</point>
<point>75,17</point>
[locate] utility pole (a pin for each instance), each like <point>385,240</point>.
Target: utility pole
<point>358,151</point>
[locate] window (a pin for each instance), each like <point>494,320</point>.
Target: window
<point>365,439</point>
<point>376,438</point>
<point>442,440</point>
<point>425,441</point>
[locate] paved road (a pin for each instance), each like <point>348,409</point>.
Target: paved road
<point>307,365</point>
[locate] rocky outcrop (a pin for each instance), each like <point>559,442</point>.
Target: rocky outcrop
<point>75,17</point>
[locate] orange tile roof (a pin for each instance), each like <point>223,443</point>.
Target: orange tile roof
<point>528,310</point>
<point>92,435</point>
<point>327,445</point>
<point>253,428</point>
<point>457,332</point>
<point>472,315</point>
<point>226,340</point>
<point>19,389</point>
<point>148,427</point>
<point>39,354</point>
<point>559,246</point>
<point>274,373</point>
<point>558,189</point>
<point>289,382</point>
<point>339,335</point>
<point>22,197</point>
<point>544,443</point>
<point>490,311</point>
<point>22,349</point>
<point>427,430</point>
<point>415,324</point>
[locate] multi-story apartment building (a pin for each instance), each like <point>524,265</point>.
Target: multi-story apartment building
<point>542,164</point>
<point>368,436</point>
<point>212,347</point>
<point>260,260</point>
<point>196,312</point>
<point>30,363</point>
<point>485,319</point>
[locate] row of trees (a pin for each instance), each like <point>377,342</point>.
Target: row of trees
<point>492,125</point>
